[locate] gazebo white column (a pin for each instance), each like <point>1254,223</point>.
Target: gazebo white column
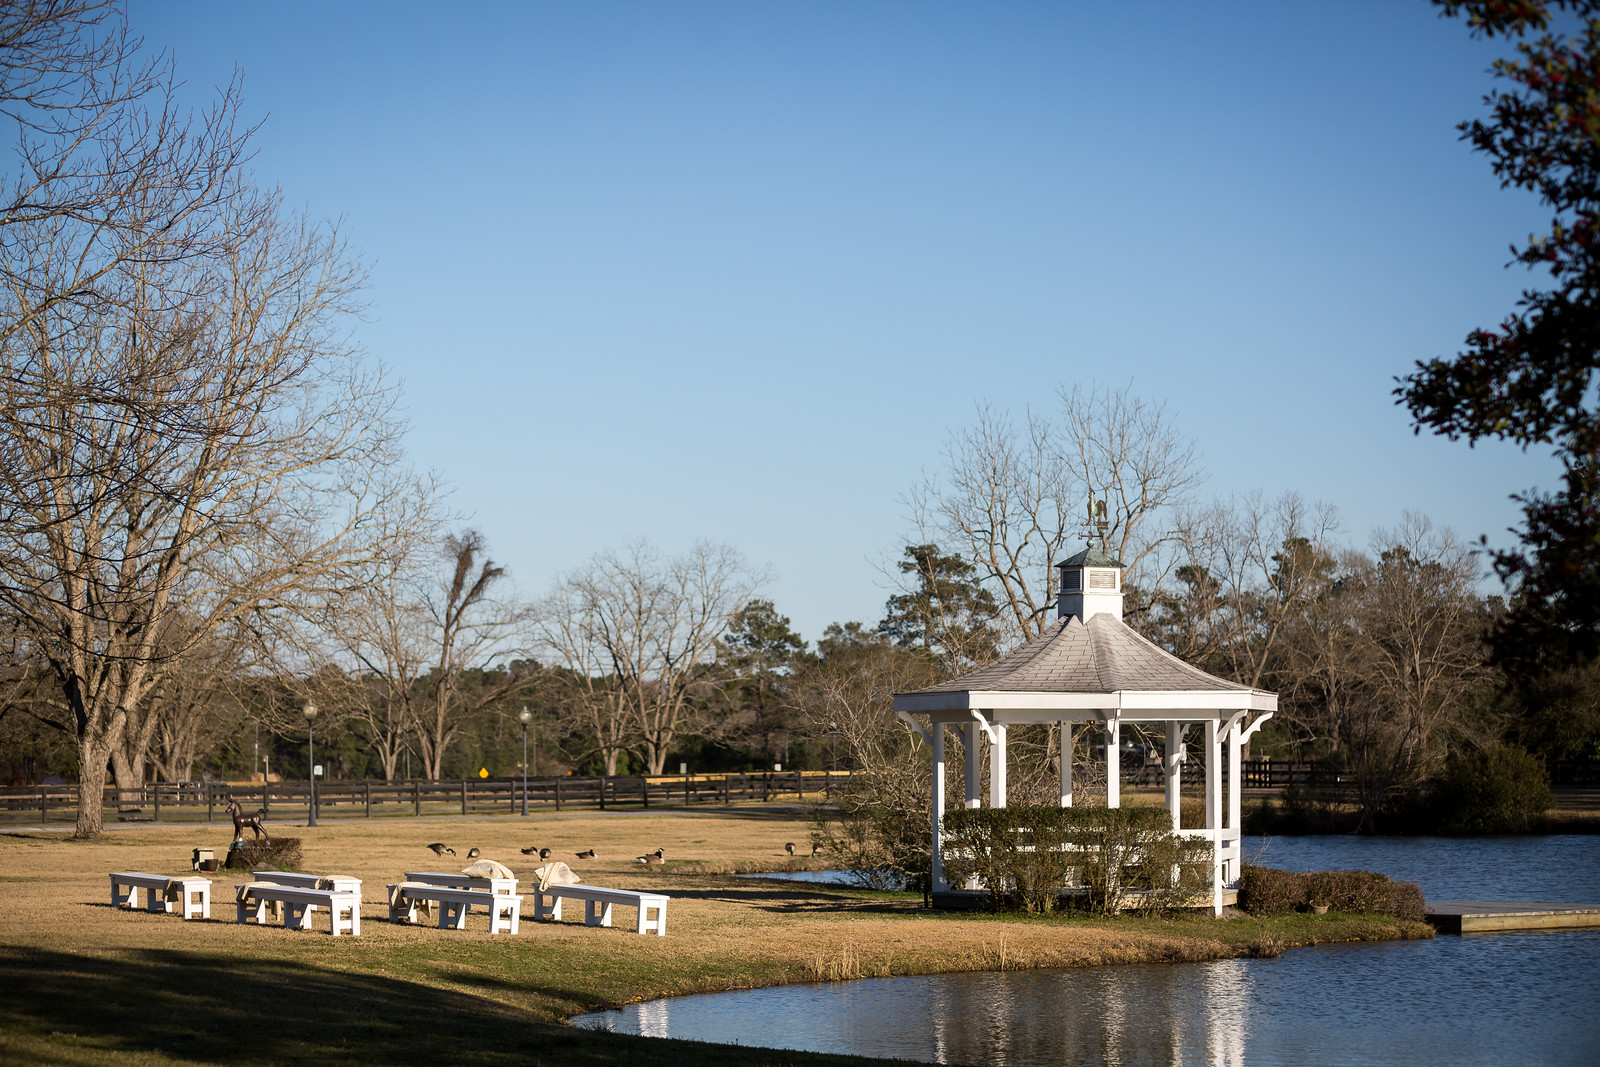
<point>1113,762</point>
<point>936,877</point>
<point>1235,814</point>
<point>1214,807</point>
<point>974,784</point>
<point>1174,768</point>
<point>997,767</point>
<point>1066,764</point>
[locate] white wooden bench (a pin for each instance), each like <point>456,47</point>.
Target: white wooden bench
<point>299,906</point>
<point>597,904</point>
<point>339,883</point>
<point>463,881</point>
<point>505,909</point>
<point>192,895</point>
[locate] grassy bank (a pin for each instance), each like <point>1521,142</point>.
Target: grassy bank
<point>86,983</point>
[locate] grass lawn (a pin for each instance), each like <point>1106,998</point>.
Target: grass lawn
<point>85,983</point>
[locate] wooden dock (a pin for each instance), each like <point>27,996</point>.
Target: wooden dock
<point>1479,916</point>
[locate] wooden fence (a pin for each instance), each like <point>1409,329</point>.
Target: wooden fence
<point>206,801</point>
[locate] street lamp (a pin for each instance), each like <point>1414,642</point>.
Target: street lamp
<point>526,717</point>
<point>310,712</point>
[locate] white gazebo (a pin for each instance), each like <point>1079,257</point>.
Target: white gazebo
<point>1090,667</point>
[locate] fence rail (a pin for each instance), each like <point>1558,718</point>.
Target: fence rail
<point>206,801</point>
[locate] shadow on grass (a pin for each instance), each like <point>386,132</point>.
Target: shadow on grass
<point>76,1008</point>
<point>786,900</point>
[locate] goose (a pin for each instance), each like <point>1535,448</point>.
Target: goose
<point>544,853</point>
<point>653,859</point>
<point>472,853</point>
<point>586,854</point>
<point>789,848</point>
<point>532,850</point>
<point>815,849</point>
<point>440,848</point>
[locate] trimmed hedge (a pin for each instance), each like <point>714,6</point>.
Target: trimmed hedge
<point>1026,855</point>
<point>278,854</point>
<point>1267,891</point>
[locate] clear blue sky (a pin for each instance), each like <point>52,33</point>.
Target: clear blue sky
<point>736,270</point>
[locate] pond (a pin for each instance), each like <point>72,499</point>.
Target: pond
<point>1485,999</point>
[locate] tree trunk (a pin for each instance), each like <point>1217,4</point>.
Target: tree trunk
<point>92,759</point>
<point>129,776</point>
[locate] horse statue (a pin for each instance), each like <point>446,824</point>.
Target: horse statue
<point>252,820</point>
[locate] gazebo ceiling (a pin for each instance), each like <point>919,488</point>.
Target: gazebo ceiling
<point>1101,664</point>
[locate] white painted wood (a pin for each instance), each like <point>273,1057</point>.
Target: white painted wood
<point>937,875</point>
<point>1113,763</point>
<point>1235,813</point>
<point>1214,809</point>
<point>191,895</point>
<point>505,909</point>
<point>1173,765</point>
<point>1035,706</point>
<point>299,906</point>
<point>973,783</point>
<point>1066,764</point>
<point>462,881</point>
<point>598,901</point>
<point>339,883</point>
<point>997,768</point>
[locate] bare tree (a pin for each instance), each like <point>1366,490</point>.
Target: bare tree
<point>198,443</point>
<point>654,624</point>
<point>1422,629</point>
<point>1127,454</point>
<point>468,630</point>
<point>1250,567</point>
<point>1013,500</point>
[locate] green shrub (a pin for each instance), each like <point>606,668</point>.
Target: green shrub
<point>1116,857</point>
<point>1495,790</point>
<point>1268,891</point>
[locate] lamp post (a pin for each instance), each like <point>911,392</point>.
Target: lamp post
<point>526,717</point>
<point>310,712</point>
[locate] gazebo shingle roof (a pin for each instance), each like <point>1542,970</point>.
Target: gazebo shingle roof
<point>1101,656</point>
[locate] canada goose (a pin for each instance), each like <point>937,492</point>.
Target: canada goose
<point>544,853</point>
<point>530,850</point>
<point>472,853</point>
<point>815,849</point>
<point>789,848</point>
<point>586,854</point>
<point>654,859</point>
<point>440,848</point>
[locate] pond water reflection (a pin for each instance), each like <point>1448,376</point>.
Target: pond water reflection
<point>1486,999</point>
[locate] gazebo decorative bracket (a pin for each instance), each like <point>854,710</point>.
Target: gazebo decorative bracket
<point>983,724</point>
<point>1244,735</point>
<point>905,717</point>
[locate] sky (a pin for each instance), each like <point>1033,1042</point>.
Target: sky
<point>737,271</point>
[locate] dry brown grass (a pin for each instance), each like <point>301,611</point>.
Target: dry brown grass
<point>723,932</point>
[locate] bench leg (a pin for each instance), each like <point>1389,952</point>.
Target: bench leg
<point>504,918</point>
<point>452,916</point>
<point>344,918</point>
<point>658,924</point>
<point>154,901</point>
<point>546,907</point>
<point>298,916</point>
<point>590,916</point>
<point>119,898</point>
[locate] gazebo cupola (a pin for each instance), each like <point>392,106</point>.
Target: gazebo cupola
<point>1091,584</point>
